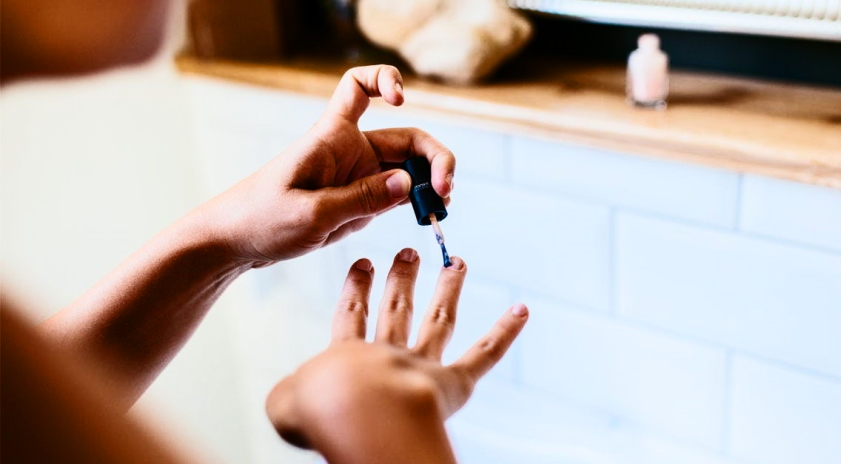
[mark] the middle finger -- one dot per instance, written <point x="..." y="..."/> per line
<point x="395" y="319"/>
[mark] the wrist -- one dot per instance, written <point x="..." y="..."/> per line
<point x="223" y="224"/>
<point x="199" y="236"/>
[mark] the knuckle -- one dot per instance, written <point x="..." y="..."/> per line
<point x="419" y="132"/>
<point x="399" y="305"/>
<point x="311" y="211"/>
<point x="366" y="198"/>
<point x="492" y="347"/>
<point x="354" y="72"/>
<point x="354" y="307"/>
<point x="422" y="392"/>
<point x="441" y="316"/>
<point x="418" y="137"/>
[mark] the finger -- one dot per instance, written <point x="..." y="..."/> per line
<point x="485" y="353"/>
<point x="347" y="229"/>
<point x="359" y="85"/>
<point x="359" y="224"/>
<point x="440" y="317"/>
<point x="397" y="145"/>
<point x="395" y="318"/>
<point x="352" y="310"/>
<point x="363" y="198"/>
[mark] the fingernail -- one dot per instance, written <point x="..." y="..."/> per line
<point x="399" y="88"/>
<point x="407" y="255"/>
<point x="364" y="265"/>
<point x="520" y="310"/>
<point x="458" y="264"/>
<point x="450" y="183"/>
<point x="398" y="184"/>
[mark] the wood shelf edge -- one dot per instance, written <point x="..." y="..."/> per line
<point x="814" y="162"/>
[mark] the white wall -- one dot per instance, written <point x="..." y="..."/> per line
<point x="90" y="168"/>
<point x="679" y="313"/>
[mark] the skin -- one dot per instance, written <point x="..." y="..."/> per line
<point x="331" y="182"/>
<point x="71" y="424"/>
<point x="356" y="402"/>
<point x="41" y="38"/>
<point x="383" y="402"/>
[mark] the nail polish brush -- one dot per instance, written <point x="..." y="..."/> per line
<point x="429" y="207"/>
<point x="439" y="237"/>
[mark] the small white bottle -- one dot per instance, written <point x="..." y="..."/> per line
<point x="648" y="74"/>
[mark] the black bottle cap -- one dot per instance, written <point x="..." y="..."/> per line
<point x="425" y="200"/>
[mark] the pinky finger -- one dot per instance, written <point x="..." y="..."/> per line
<point x="485" y="353"/>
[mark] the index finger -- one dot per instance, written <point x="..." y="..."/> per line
<point x="399" y="144"/>
<point x="349" y="320"/>
<point x="357" y="87"/>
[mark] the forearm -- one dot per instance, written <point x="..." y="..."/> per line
<point x="136" y="319"/>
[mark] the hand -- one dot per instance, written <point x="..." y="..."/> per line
<point x="368" y="397"/>
<point x="332" y="181"/>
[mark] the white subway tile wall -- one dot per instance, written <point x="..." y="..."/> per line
<point x="801" y="213"/>
<point x="780" y="415"/>
<point x="673" y="189"/>
<point x="763" y="297"/>
<point x="654" y="379"/>
<point x="532" y="241"/>
<point x="679" y="313"/>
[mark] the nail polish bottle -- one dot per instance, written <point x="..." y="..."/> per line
<point x="425" y="200"/>
<point x="648" y="74"/>
<point x="429" y="207"/>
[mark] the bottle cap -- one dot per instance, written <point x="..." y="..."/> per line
<point x="425" y="200"/>
<point x="648" y="41"/>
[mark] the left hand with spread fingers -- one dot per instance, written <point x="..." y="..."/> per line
<point x="385" y="402"/>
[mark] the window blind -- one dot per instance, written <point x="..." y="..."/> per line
<point x="813" y="19"/>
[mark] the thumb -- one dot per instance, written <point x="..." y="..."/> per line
<point x="365" y="197"/>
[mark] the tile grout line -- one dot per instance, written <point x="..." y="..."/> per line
<point x="755" y="236"/>
<point x="647" y="327"/>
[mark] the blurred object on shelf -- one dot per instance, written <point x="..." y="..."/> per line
<point x="648" y="74"/>
<point x="237" y="30"/>
<point x="456" y="41"/>
<point x="263" y="30"/>
<point x="341" y="15"/>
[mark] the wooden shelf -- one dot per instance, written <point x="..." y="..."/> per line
<point x="786" y="131"/>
